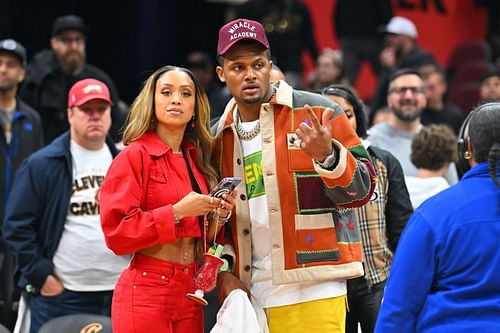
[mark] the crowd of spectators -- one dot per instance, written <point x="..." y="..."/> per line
<point x="418" y="103"/>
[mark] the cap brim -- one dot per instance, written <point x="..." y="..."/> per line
<point x="228" y="46"/>
<point x="91" y="98"/>
<point x="17" y="55"/>
<point x="382" y="30"/>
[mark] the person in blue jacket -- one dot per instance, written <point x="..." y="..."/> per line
<point x="446" y="273"/>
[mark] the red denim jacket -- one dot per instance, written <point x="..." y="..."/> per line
<point x="138" y="192"/>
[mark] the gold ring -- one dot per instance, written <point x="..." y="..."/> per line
<point x="211" y="200"/>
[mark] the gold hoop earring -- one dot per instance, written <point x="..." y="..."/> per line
<point x="467" y="155"/>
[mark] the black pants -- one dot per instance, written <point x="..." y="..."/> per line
<point x="364" y="304"/>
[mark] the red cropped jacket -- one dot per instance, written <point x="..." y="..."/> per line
<point x="138" y="192"/>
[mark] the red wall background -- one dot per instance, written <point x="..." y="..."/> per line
<point x="438" y="32"/>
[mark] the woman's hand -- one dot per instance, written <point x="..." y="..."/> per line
<point x="227" y="204"/>
<point x="195" y="204"/>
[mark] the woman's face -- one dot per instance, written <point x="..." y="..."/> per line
<point x="347" y="107"/>
<point x="174" y="99"/>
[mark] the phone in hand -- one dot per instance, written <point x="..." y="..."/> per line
<point x="226" y="185"/>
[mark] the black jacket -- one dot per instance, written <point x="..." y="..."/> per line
<point x="46" y="89"/>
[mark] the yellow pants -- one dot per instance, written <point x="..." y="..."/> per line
<point x="322" y="316"/>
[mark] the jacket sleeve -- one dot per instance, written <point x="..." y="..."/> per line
<point x="126" y="225"/>
<point x="411" y="278"/>
<point x="22" y="219"/>
<point x="398" y="208"/>
<point x="351" y="183"/>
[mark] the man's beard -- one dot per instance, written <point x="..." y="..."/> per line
<point x="405" y="116"/>
<point x="71" y="62"/>
<point x="7" y="87"/>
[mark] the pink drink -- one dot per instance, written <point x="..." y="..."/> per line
<point x="206" y="277"/>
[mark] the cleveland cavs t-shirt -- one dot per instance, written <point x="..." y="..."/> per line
<point x="82" y="261"/>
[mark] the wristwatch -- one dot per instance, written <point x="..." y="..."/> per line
<point x="228" y="263"/>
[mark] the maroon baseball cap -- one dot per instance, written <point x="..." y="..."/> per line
<point x="238" y="30"/>
<point x="86" y="90"/>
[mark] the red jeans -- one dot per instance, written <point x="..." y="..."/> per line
<point x="150" y="296"/>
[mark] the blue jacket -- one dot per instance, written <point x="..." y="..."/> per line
<point x="37" y="207"/>
<point x="27" y="137"/>
<point x="446" y="273"/>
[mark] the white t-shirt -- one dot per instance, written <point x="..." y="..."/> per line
<point x="82" y="261"/>
<point x="420" y="189"/>
<point x="262" y="288"/>
<point x="398" y="142"/>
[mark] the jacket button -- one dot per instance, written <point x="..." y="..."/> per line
<point x="238" y="161"/>
<point x="246" y="232"/>
<point x="247" y="268"/>
<point x="243" y="197"/>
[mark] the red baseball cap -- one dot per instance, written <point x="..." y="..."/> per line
<point x="238" y="30"/>
<point x="86" y="90"/>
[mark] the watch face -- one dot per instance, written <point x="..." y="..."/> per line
<point x="225" y="266"/>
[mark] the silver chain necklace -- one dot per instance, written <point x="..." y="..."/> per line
<point x="246" y="135"/>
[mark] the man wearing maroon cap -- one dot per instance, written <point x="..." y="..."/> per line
<point x="293" y="240"/>
<point x="52" y="223"/>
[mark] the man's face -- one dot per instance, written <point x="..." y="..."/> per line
<point x="435" y="88"/>
<point x="246" y="71"/>
<point x="406" y="97"/>
<point x="11" y="72"/>
<point x="327" y="71"/>
<point x="69" y="47"/>
<point x="490" y="89"/>
<point x="90" y="122"/>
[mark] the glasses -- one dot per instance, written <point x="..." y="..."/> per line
<point x="71" y="40"/>
<point x="332" y="91"/>
<point x="402" y="90"/>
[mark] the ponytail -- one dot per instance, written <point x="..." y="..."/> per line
<point x="493" y="157"/>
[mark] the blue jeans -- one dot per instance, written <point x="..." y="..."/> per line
<point x="68" y="302"/>
<point x="364" y="304"/>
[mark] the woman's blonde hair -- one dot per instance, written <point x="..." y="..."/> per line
<point x="142" y="119"/>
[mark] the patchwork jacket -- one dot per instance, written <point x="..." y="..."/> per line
<point x="314" y="232"/>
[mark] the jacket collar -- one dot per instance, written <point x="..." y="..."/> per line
<point x="155" y="147"/>
<point x="60" y="147"/>
<point x="480" y="170"/>
<point x="283" y="95"/>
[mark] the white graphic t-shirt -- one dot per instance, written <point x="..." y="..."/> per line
<point x="262" y="288"/>
<point x="82" y="261"/>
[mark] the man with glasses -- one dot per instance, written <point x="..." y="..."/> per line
<point x="406" y="100"/>
<point x="52" y="72"/>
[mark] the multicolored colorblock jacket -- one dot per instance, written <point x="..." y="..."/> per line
<point x="313" y="229"/>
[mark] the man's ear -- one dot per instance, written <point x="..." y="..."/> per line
<point x="21" y="76"/>
<point x="53" y="42"/>
<point x="220" y="73"/>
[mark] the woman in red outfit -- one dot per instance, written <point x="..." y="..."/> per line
<point x="153" y="200"/>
